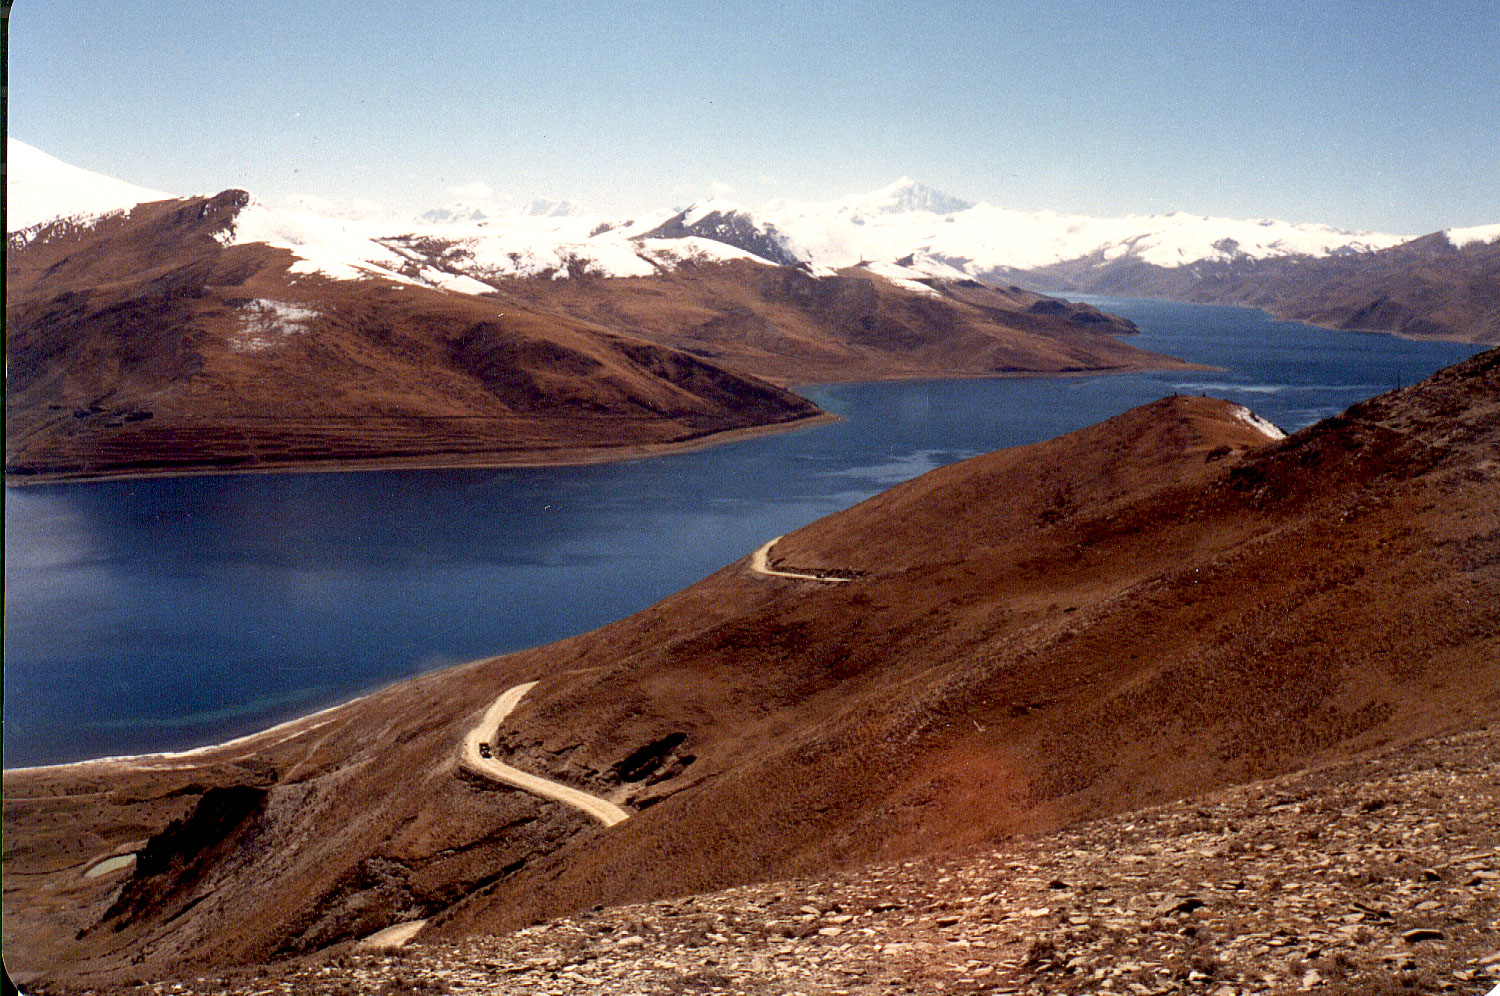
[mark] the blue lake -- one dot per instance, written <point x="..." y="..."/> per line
<point x="162" y="614"/>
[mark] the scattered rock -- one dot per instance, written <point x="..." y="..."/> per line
<point x="1422" y="934"/>
<point x="1179" y="899"/>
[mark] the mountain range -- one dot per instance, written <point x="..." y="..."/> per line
<point x="1142" y="613"/>
<point x="147" y="334"/>
<point x="1443" y="285"/>
<point x="1437" y="285"/>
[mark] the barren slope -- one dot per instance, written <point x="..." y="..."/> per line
<point x="1350" y="880"/>
<point x="142" y="343"/>
<point x="788" y="326"/>
<point x="1146" y="610"/>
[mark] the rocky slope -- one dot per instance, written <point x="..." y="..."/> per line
<point x="1023" y="638"/>
<point x="1375" y="876"/>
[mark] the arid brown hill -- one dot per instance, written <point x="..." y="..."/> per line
<point x="785" y="325"/>
<point x="1145" y="610"/>
<point x="1424" y="289"/>
<point x="142" y="343"/>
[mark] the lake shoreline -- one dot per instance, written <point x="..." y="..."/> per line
<point x="1285" y="314"/>
<point x="563" y="457"/>
<point x="303" y="576"/>
<point x="568" y="456"/>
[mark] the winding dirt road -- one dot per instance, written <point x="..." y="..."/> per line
<point x="471" y="760"/>
<point x="760" y="563"/>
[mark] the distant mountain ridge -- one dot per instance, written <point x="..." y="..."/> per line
<point x="1432" y="287"/>
<point x="906" y="219"/>
<point x="1443" y="285"/>
<point x="464" y="211"/>
<point x="905" y="232"/>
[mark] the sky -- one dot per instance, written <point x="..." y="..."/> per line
<point x="1366" y="115"/>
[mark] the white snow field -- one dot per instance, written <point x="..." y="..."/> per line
<point x="904" y="232"/>
<point x="40" y="188"/>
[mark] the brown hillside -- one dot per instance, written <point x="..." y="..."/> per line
<point x="1146" y="610"/>
<point x="142" y="344"/>
<point x="785" y="325"/>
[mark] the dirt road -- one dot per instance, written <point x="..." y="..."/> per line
<point x="470" y="759"/>
<point x="760" y="563"/>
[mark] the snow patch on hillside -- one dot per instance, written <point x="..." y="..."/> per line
<point x="265" y="323"/>
<point x="1254" y="421"/>
<point x="671" y="252"/>
<point x="340" y="248"/>
<point x="492" y="253"/>
<point x="902" y="276"/>
<point x="457" y="282"/>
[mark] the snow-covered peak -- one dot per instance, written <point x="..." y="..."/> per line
<point x="713" y="205"/>
<point x="457" y="213"/>
<point x="903" y="196"/>
<point x="1461" y="237"/>
<point x="547" y="207"/>
<point x="491" y="209"/>
<point x="40" y="188"/>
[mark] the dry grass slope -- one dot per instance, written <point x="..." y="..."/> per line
<point x="1027" y="637"/>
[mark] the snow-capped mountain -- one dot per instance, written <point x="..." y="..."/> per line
<point x="902" y="197"/>
<point x="455" y="214"/>
<point x="493" y="210"/>
<point x="40" y="188"/>
<point x="904" y="232"/>
<point x="547" y="207"/>
<point x="931" y="234"/>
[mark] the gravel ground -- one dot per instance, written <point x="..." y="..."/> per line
<point x="1375" y="877"/>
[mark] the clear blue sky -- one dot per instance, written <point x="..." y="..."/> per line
<point x="1382" y="115"/>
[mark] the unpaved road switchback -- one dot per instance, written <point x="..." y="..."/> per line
<point x="760" y="563"/>
<point x="470" y="759"/>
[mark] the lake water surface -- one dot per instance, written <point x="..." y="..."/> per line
<point x="162" y="614"/>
